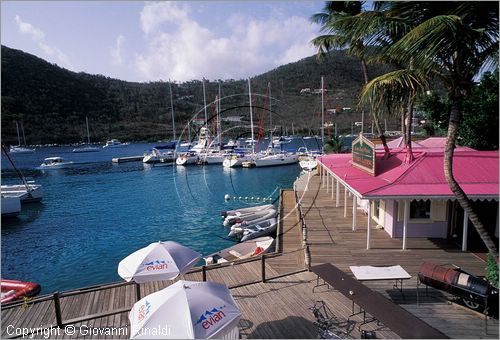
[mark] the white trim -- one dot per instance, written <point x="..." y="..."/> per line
<point x="337" y="185"/>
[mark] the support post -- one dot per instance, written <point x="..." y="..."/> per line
<point x="354" y="210"/>
<point x="337" y="192"/>
<point x="327" y="182"/>
<point x="405" y="222"/>
<point x="263" y="267"/>
<point x="57" y="307"/>
<point x="465" y="231"/>
<point x="345" y="201"/>
<point x="333" y="180"/>
<point x="204" y="273"/>
<point x="369" y="224"/>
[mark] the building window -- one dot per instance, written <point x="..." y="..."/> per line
<point x="420" y="209"/>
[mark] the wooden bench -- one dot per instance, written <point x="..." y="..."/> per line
<point x="396" y="318"/>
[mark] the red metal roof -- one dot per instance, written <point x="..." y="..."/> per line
<point x="475" y="171"/>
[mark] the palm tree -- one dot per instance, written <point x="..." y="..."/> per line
<point x="452" y="41"/>
<point x="334" y="21"/>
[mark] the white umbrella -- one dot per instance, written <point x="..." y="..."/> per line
<point x="185" y="310"/>
<point x="158" y="261"/>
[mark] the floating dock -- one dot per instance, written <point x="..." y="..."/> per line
<point x="127" y="159"/>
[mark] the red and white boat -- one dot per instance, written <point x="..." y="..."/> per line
<point x="13" y="289"/>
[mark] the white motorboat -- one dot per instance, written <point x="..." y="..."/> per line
<point x="161" y="153"/>
<point x="27" y="193"/>
<point x="11" y="206"/>
<point x="230" y="220"/>
<point x="114" y="143"/>
<point x="246" y="210"/>
<point x="55" y="163"/>
<point x="283" y="158"/>
<point x="241" y="251"/>
<point x="237" y="159"/>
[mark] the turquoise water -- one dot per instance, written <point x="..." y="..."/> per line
<point x="96" y="213"/>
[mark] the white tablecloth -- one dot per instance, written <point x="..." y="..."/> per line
<point x="364" y="273"/>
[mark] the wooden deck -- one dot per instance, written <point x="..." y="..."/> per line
<point x="279" y="307"/>
<point x="331" y="240"/>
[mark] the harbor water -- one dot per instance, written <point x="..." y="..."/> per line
<point x="96" y="213"/>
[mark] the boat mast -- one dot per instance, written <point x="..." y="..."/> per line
<point x="205" y="104"/>
<point x="172" y="109"/>
<point x="322" y="111"/>
<point x="18" y="138"/>
<point x="24" y="137"/>
<point x="251" y="115"/>
<point x="88" y="133"/>
<point x="218" y="119"/>
<point x="270" y="110"/>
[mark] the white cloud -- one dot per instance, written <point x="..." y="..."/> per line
<point x="117" y="51"/>
<point x="38" y="36"/>
<point x="180" y="48"/>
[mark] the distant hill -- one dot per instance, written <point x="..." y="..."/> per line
<point x="53" y="102"/>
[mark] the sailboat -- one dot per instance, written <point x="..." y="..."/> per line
<point x="18" y="148"/>
<point x="88" y="147"/>
<point x="307" y="161"/>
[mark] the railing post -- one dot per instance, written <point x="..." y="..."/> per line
<point x="57" y="307"/>
<point x="263" y="267"/>
<point x="204" y="273"/>
<point x="137" y="291"/>
<point x="307" y="258"/>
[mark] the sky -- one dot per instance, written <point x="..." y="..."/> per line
<point x="151" y="41"/>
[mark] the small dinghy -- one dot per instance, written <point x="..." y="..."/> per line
<point x="13" y="289"/>
<point x="252" y="231"/>
<point x="263" y="214"/>
<point x="245" y="210"/>
<point x="255" y="219"/>
<point x="257" y="230"/>
<point x="241" y="251"/>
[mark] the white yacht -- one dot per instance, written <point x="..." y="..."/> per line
<point x="28" y="192"/>
<point x="18" y="148"/>
<point x="282" y="158"/>
<point x="114" y="143"/>
<point x="161" y="153"/>
<point x="55" y="163"/>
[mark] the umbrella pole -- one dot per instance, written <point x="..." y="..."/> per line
<point x="138" y="291"/>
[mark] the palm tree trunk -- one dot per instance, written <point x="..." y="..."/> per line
<point x="409" y="119"/>
<point x="381" y="135"/>
<point x="453" y="127"/>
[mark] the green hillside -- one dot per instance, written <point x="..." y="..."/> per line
<point x="53" y="102"/>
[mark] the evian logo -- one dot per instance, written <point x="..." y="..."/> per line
<point x="155" y="265"/>
<point x="211" y="317"/>
<point x="143" y="311"/>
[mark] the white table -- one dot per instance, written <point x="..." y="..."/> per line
<point x="370" y="273"/>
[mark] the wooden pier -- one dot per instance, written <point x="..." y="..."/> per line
<point x="275" y="292"/>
